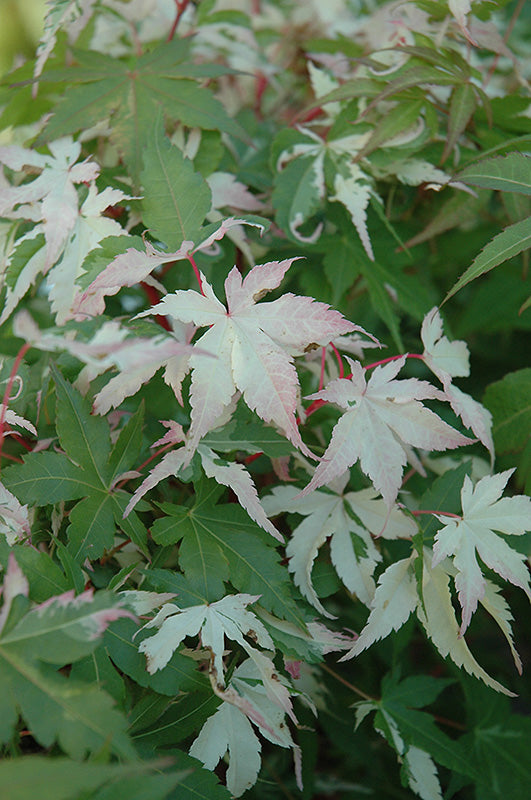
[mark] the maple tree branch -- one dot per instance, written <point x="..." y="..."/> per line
<point x="314" y="406"/>
<point x="154" y="297"/>
<point x="111" y="553"/>
<point x="146" y="462"/>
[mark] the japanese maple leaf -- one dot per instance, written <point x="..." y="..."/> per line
<point x="226" y="473"/>
<point x="14" y="519"/>
<point x="51" y="196"/>
<point x="331" y="515"/>
<point x="254" y="345"/>
<point x="134" y="266"/>
<point x="449" y="360"/>
<point x="81" y="231"/>
<point x="484" y="512"/>
<point x="137" y="358"/>
<point x="227" y="617"/>
<point x="382" y="418"/>
<point x="397" y="597"/>
<point x="229" y="729"/>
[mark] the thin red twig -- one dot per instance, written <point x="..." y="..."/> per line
<point x="154" y="297"/>
<point x="147" y="461"/>
<point x="393" y="358"/>
<point x="339" y="359"/>
<point x="181" y="8"/>
<point x="323" y="361"/>
<point x="196" y="273"/>
<point x="251" y="458"/>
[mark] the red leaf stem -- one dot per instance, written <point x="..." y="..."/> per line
<point x="146" y="462"/>
<point x="393" y="358"/>
<point x="339" y="360"/>
<point x="196" y="273"/>
<point x="323" y="359"/>
<point x="181" y="8"/>
<point x="153" y="296"/>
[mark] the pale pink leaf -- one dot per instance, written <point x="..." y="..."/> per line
<point x="446" y="359"/>
<point x="473" y="415"/>
<point x="438" y="617"/>
<point x="237" y="478"/>
<point x="254" y="346"/>
<point x="383" y="418"/>
<point x="14" y="520"/>
<point x="474" y="535"/>
<point x="394" y="601"/>
<point x="14" y="583"/>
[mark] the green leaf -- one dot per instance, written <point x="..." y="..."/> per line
<point x="45" y="577"/>
<point x="98" y="669"/>
<point x="418" y="728"/>
<point x="509" y="402"/>
<point x="179" y="675"/>
<point x="340" y="265"/>
<point x="462" y="106"/>
<point x="415" y="691"/>
<point x="460" y="209"/>
<point x="298" y="193"/>
<point x="360" y="87"/>
<point x="133" y="528"/>
<point x="78" y="716"/>
<point x="182" y="717"/>
<point x="248" y="433"/>
<point x="28" y="777"/>
<point x="92" y="527"/>
<point x="509" y="173"/>
<point x="46" y="478"/>
<point x="382" y="303"/>
<point x="176" y="198"/>
<point x="396" y="121"/>
<point x="127" y="447"/>
<point x="510" y="242"/>
<point x="132" y="94"/>
<point x="221" y="542"/>
<point x="24" y="252"/>
<point x="415" y="75"/>
<point x="84" y="436"/>
<point x="498" y="746"/>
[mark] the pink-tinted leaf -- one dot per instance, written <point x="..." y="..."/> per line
<point x="484" y="512"/>
<point x="254" y="347"/>
<point x="382" y="418"/>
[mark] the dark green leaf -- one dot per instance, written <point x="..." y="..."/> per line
<point x="46" y="478"/>
<point x="240" y="545"/>
<point x="84" y="437"/>
<point x="176" y="198"/>
<point x="510" y="173"/>
<point x="180" y="674"/>
<point x="126" y="450"/>
<point x="510" y="242"/>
